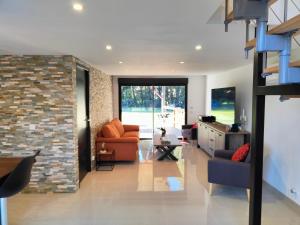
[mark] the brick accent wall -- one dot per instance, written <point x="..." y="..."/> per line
<point x="38" y="111"/>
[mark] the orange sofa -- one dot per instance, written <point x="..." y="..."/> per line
<point x="123" y="139"/>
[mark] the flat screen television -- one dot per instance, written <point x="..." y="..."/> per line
<point x="223" y="105"/>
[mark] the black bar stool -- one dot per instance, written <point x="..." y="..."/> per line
<point x="14" y="182"/>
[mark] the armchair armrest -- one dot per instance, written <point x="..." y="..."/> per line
<point x="117" y="140"/>
<point x="131" y="128"/>
<point x="227" y="172"/>
<point x="224" y="154"/>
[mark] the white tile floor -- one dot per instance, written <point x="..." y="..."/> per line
<point x="149" y="192"/>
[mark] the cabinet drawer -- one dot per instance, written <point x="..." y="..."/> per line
<point x="220" y="141"/>
<point x="212" y="135"/>
<point x="220" y="135"/>
<point x="212" y="145"/>
<point x="211" y="151"/>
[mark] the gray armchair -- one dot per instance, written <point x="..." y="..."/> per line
<point x="222" y="170"/>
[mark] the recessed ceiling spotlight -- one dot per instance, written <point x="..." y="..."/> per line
<point x="181" y="62"/>
<point x="121" y="62"/>
<point x="78" y="7"/>
<point x="108" y="47"/>
<point x="198" y="47"/>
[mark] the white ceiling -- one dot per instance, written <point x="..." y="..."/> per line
<point x="150" y="36"/>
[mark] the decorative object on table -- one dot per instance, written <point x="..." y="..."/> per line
<point x="105" y="159"/>
<point x="235" y="128"/>
<point x="243" y="120"/>
<point x="164" y="141"/>
<point x="164" y="116"/>
<point x="163" y="132"/>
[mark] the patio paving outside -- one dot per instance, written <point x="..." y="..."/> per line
<point x="146" y="120"/>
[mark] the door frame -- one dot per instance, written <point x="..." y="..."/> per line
<point x="153" y="82"/>
<point x="87" y="95"/>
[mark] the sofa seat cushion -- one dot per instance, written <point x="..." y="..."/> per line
<point x="131" y="134"/>
<point x="119" y="126"/>
<point x="109" y="131"/>
<point x="117" y="140"/>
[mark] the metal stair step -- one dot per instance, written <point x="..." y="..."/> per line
<point x="295" y="64"/>
<point x="275" y="69"/>
<point x="252" y="43"/>
<point x="291" y="25"/>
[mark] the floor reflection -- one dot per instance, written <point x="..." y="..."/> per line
<point x="160" y="176"/>
<point x="148" y="192"/>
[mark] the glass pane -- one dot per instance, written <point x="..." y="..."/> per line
<point x="169" y="108"/>
<point x="137" y="108"/>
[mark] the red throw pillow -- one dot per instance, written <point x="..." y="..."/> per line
<point x="241" y="153"/>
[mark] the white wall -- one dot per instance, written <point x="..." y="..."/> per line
<point x="282" y="151"/>
<point x="196" y="97"/>
<point x="241" y="78"/>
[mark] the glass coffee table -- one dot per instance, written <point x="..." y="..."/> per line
<point x="166" y="145"/>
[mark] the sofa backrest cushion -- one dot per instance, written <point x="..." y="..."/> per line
<point x="109" y="131"/>
<point x="119" y="126"/>
<point x="241" y="153"/>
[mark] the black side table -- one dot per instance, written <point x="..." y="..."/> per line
<point x="105" y="160"/>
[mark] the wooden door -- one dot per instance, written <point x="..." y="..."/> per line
<point x="83" y="124"/>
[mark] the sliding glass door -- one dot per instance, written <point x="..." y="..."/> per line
<point x="153" y="106"/>
<point x="169" y="108"/>
<point x="137" y="108"/>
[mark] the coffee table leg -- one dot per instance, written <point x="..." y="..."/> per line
<point x="163" y="155"/>
<point x="172" y="156"/>
<point x="160" y="149"/>
<point x="167" y="152"/>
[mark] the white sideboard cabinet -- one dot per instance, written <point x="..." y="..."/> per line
<point x="214" y="136"/>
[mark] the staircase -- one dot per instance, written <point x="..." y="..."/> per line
<point x="278" y="39"/>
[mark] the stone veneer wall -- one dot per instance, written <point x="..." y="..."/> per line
<point x="101" y="98"/>
<point x="38" y="111"/>
<point x="101" y="109"/>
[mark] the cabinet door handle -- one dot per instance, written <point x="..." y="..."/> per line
<point x="211" y="139"/>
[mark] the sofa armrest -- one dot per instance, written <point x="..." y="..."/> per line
<point x="224" y="154"/>
<point x="117" y="140"/>
<point x="131" y="128"/>
<point x="228" y="172"/>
